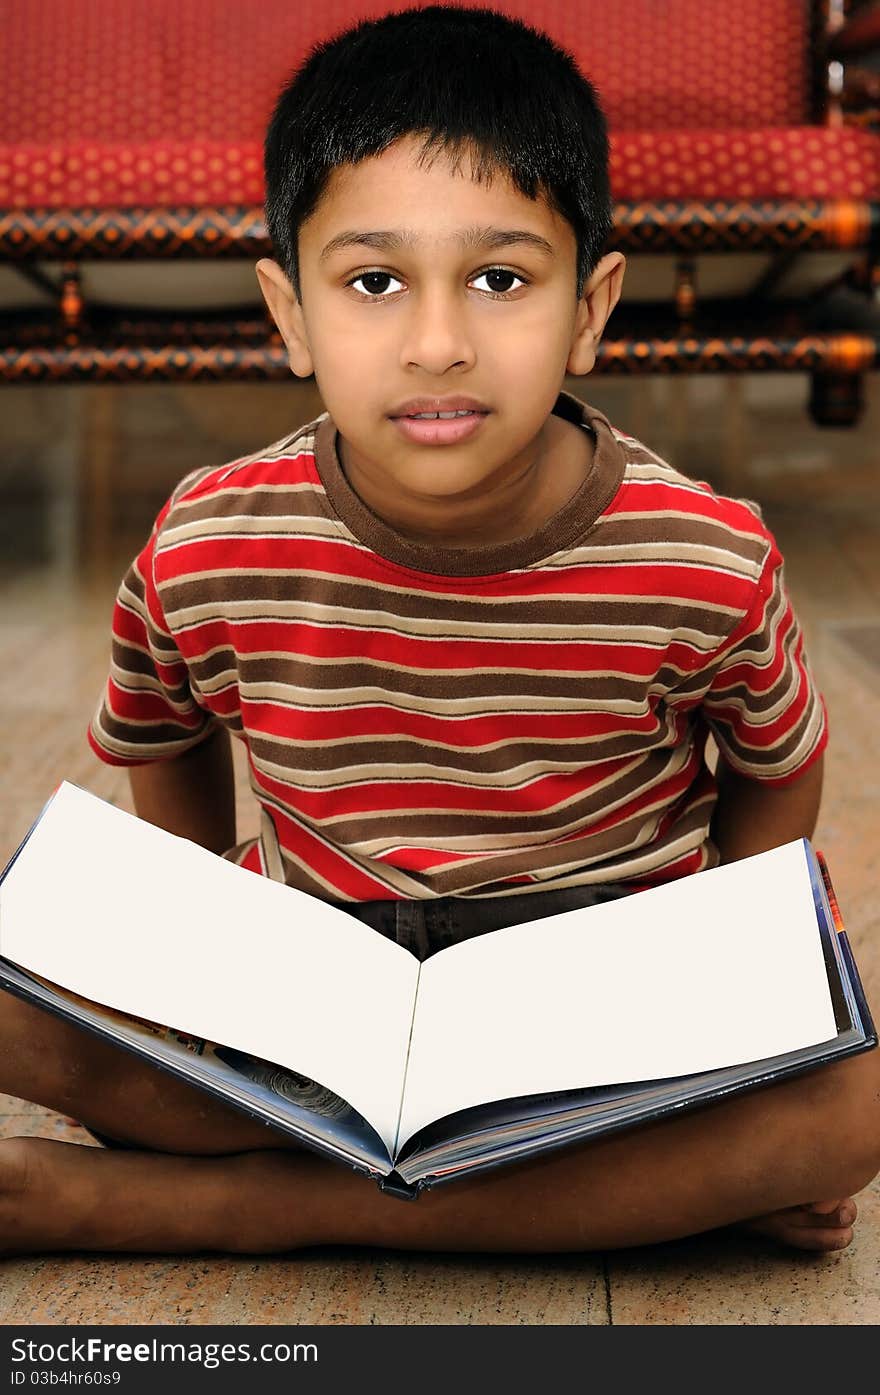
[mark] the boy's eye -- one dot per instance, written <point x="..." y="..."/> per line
<point x="376" y="283"/>
<point x="500" y="273"/>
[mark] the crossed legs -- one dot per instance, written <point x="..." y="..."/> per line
<point x="785" y="1159"/>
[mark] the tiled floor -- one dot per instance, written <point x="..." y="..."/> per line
<point x="119" y="451"/>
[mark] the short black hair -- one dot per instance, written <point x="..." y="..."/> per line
<point x="470" y="81"/>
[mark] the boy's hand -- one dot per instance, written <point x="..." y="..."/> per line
<point x="751" y="817"/>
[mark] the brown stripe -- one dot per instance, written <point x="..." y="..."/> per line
<point x="386" y="755"/>
<point x="417" y="826"/>
<point x="283" y="597"/>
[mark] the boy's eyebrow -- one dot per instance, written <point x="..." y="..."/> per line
<point x="390" y="241"/>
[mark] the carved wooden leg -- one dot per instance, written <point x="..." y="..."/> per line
<point x="836" y="399"/>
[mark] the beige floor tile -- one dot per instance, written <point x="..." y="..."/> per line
<point x="335" y="1287"/>
<point x="32" y="1122"/>
<point x="738" y="1280"/>
<point x="10" y="1106"/>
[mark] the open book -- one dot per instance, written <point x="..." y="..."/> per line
<point x="492" y="1050"/>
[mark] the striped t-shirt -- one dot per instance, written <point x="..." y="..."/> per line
<point x="424" y="722"/>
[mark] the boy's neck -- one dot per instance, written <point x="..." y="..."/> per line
<point x="514" y="509"/>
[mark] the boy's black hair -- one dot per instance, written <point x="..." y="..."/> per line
<point x="470" y="81"/>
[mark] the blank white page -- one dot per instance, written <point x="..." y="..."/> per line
<point x="132" y="917"/>
<point x="715" y="969"/>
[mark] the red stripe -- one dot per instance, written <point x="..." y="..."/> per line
<point x="323" y="725"/>
<point x="375" y="796"/>
<point x="233" y="477"/>
<point x="669" y="496"/>
<point x="300" y="639"/>
<point x="345" y="561"/>
<point x="149" y="707"/>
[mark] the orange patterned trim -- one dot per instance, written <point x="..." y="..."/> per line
<point x="120" y="234"/>
<point x="232" y="353"/>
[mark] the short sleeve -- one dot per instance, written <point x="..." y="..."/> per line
<point x="763" y="706"/>
<point x="148" y="711"/>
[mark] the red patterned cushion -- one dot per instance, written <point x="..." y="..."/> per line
<point x="115" y="174"/>
<point x="158" y="70"/>
<point x="109" y="103"/>
<point x="809" y="162"/>
<point x="805" y="163"/>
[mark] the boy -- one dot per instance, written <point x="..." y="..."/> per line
<point x="473" y="639"/>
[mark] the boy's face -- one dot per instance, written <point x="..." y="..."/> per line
<point x="399" y="303"/>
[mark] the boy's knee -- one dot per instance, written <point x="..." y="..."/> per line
<point x="850" y="1120"/>
<point x="46" y="1060"/>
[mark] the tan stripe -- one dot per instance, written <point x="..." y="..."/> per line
<point x="478" y="704"/>
<point x="250" y="530"/>
<point x="129" y="681"/>
<point x="271" y="848"/>
<point x="278" y="691"/>
<point x="280" y="610"/>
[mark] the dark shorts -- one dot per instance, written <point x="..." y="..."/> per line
<point x="424" y="927"/>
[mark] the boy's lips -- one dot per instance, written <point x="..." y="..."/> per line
<point x="413" y="406"/>
<point x="434" y="431"/>
<point x="420" y="419"/>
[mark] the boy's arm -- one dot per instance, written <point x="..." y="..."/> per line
<point x="751" y="816"/>
<point x="192" y="795"/>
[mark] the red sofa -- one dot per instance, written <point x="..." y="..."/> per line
<point x="745" y="168"/>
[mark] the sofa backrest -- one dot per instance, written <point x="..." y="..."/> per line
<point x="153" y="70"/>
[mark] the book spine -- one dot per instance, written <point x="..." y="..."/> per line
<point x="394" y="1185"/>
<point x="830" y="893"/>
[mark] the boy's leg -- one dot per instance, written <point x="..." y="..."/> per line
<point x="49" y="1062"/>
<point x="787" y="1145"/>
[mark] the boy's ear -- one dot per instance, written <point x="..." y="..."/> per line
<point x="286" y="311"/>
<point x="600" y="295"/>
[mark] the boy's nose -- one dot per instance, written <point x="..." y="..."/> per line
<point x="438" y="335"/>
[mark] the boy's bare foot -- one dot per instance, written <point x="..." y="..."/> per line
<point x="823" y="1225"/>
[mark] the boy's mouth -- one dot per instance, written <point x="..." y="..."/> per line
<point x="436" y="416"/>
<point x="442" y="429"/>
<point x="439" y="421"/>
<point x="438" y="406"/>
